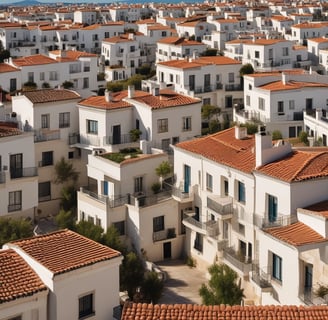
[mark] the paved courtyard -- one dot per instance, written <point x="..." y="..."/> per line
<point x="182" y="282"/>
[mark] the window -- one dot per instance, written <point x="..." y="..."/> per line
<point x="85" y="83"/>
<point x="13" y="84"/>
<point x="70" y="154"/>
<point x="272" y="208"/>
<point x="206" y="101"/>
<point x="45" y="121"/>
<point x="285" y="51"/>
<point x="47" y="158"/>
<point x="41" y="76"/>
<point x="138" y="184"/>
<point x="248" y="100"/>
<point x="44" y="191"/>
<point x="132" y="48"/>
<point x="261" y="103"/>
<point x="198" y="244"/>
<point x="15" y="201"/>
<point x="209" y="182"/>
<point x="280" y="108"/>
<point x="163" y="33"/>
<point x="276" y="267"/>
<point x="186" y="124"/>
<point x="98" y="222"/>
<point x="291" y="104"/>
<point x="257" y="54"/>
<point x="231" y="77"/>
<point x="162" y="125"/>
<point x="53" y="76"/>
<point x="92" y="126"/>
<point x="226" y="187"/>
<point x="64" y="120"/>
<point x="158" y="223"/>
<point x="91" y="219"/>
<point x="241" y="192"/>
<point x="30" y="76"/>
<point x="86" y="306"/>
<point x="120" y="227"/>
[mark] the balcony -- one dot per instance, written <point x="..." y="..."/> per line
<point x="111" y="202"/>
<point x="2" y="177"/>
<point x="121" y="139"/>
<point x="142" y="200"/>
<point x="46" y="135"/>
<point x="165" y="234"/>
<point x="260" y="277"/>
<point x="23" y="172"/>
<point x="179" y="195"/>
<point x="90" y="140"/>
<point x="221" y="205"/>
<point x="308" y="296"/>
<point x="281" y="220"/>
<point x="237" y="261"/>
<point x="233" y="87"/>
<point x="209" y="228"/>
<point x="73" y="138"/>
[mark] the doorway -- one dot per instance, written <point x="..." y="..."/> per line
<point x="167" y="250"/>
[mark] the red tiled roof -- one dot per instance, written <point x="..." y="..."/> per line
<point x="166" y="99"/>
<point x="224" y="148"/>
<point x="63" y="251"/>
<point x="319" y="209"/>
<point x="298" y="166"/>
<point x="4" y="67"/>
<point x="17" y="278"/>
<point x="33" y="60"/>
<point x="296" y="234"/>
<point x="292" y="85"/>
<point x="178" y="41"/>
<point x="222" y="312"/>
<point x="8" y="131"/>
<point x="71" y="55"/>
<point x="115" y="103"/>
<point x="50" y="95"/>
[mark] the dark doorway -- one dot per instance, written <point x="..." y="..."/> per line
<point x="117" y="134"/>
<point x="167" y="250"/>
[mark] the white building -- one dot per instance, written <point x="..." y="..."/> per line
<point x="235" y="189"/>
<point x="82" y="276"/>
<point x="278" y="99"/>
<point x="18" y="173"/>
<point x="52" y="116"/>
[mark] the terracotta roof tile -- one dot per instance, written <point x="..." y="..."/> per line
<point x="133" y="311"/>
<point x="178" y="41"/>
<point x="166" y="99"/>
<point x="4" y="67"/>
<point x="292" y="85"/>
<point x="50" y="95"/>
<point x="296" y="234"/>
<point x="17" y="278"/>
<point x="65" y="250"/>
<point x="33" y="60"/>
<point x="319" y="209"/>
<point x="298" y="166"/>
<point x="224" y="148"/>
<point x="116" y="101"/>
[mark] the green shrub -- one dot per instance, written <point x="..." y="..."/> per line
<point x="156" y="187"/>
<point x="276" y="135"/>
<point x="303" y="137"/>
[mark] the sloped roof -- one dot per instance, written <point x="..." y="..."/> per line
<point x="17" y="278"/>
<point x="296" y="234"/>
<point x="50" y="95"/>
<point x="64" y="250"/>
<point x="291" y="85"/>
<point x="37" y="59"/>
<point x="220" y="312"/>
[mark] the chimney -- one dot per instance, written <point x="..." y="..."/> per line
<point x="131" y="36"/>
<point x="240" y="132"/>
<point x="284" y="78"/>
<point x="108" y="95"/>
<point x="130" y="91"/>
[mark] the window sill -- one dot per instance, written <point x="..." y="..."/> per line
<point x="87" y="316"/>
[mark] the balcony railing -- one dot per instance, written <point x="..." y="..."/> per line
<point x="143" y="200"/>
<point x="281" y="220"/>
<point x="260" y="277"/>
<point x="41" y="136"/>
<point x="164" y="234"/>
<point x="111" y="202"/>
<point x="309" y="297"/>
<point x="2" y="177"/>
<point x="92" y="140"/>
<point x="122" y="139"/>
<point x="240" y="262"/>
<point x="221" y="205"/>
<point x="209" y="228"/>
<point x="23" y="172"/>
<point x="73" y="138"/>
<point x="233" y="87"/>
<point x="181" y="195"/>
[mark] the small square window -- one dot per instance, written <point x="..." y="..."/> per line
<point x="86" y="304"/>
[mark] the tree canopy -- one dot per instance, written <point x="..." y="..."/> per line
<point x="222" y="287"/>
<point x="14" y="229"/>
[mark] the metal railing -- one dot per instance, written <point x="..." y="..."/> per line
<point x="122" y="139"/>
<point x="210" y="227"/>
<point x="233" y="87"/>
<point x="92" y="140"/>
<point x="143" y="200"/>
<point x="168" y="233"/>
<point x="46" y="136"/>
<point x="281" y="220"/>
<point x="260" y="277"/>
<point x="241" y="262"/>
<point x="73" y="138"/>
<point x="23" y="172"/>
<point x="178" y="193"/>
